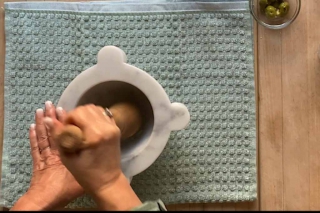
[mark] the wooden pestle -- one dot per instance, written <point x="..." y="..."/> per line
<point x="126" y="116"/>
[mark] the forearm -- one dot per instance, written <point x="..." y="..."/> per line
<point x="118" y="196"/>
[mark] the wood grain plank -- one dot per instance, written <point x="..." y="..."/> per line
<point x="212" y="207"/>
<point x="295" y="114"/>
<point x="171" y="207"/>
<point x="182" y="207"/>
<point x="270" y="119"/>
<point x="254" y="206"/>
<point x="313" y="72"/>
<point x="229" y="206"/>
<point x="196" y="207"/>
<point x="300" y="187"/>
<point x="243" y="206"/>
<point x="247" y="206"/>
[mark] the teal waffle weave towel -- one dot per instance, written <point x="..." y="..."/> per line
<point x="200" y="52"/>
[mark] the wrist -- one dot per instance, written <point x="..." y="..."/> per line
<point x="117" y="196"/>
<point x="31" y="202"/>
<point x="37" y="199"/>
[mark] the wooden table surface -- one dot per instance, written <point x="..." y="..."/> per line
<point x="288" y="115"/>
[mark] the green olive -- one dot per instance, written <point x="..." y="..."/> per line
<point x="271" y="1"/>
<point x="271" y="11"/>
<point x="278" y="13"/>
<point x="284" y="8"/>
<point x="276" y="4"/>
<point x="263" y="3"/>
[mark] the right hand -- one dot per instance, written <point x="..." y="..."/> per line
<point x="98" y="166"/>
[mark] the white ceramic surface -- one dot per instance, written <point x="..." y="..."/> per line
<point x="112" y="66"/>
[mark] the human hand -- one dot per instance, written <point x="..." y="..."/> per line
<point x="52" y="185"/>
<point x="97" y="167"/>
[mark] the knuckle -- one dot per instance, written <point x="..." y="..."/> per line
<point x="96" y="139"/>
<point x="99" y="108"/>
<point x="113" y="133"/>
<point x="42" y="137"/>
<point x="42" y="133"/>
<point x="52" y="160"/>
<point x="90" y="106"/>
<point x="116" y="131"/>
<point x="77" y="110"/>
<point x="107" y="133"/>
<point x="48" y="112"/>
<point x="35" y="149"/>
<point x="73" y="115"/>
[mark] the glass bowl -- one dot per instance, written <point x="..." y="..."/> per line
<point x="275" y="23"/>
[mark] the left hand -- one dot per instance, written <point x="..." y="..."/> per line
<point x="52" y="185"/>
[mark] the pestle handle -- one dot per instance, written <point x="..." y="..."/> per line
<point x="126" y="116"/>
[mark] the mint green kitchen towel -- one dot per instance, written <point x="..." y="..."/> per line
<point x="200" y="52"/>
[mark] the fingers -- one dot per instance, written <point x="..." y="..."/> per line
<point x="91" y="120"/>
<point x="51" y="113"/>
<point x="81" y="116"/>
<point x="77" y="117"/>
<point x="61" y="114"/>
<point x="41" y="133"/>
<point x="54" y="127"/>
<point x="35" y="152"/>
<point x="50" y="110"/>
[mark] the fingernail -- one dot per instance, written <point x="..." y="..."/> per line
<point x="48" y="122"/>
<point x="39" y="111"/>
<point x="59" y="111"/>
<point x="48" y="104"/>
<point x="32" y="126"/>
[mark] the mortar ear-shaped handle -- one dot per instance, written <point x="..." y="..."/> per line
<point x="180" y="116"/>
<point x="110" y="55"/>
